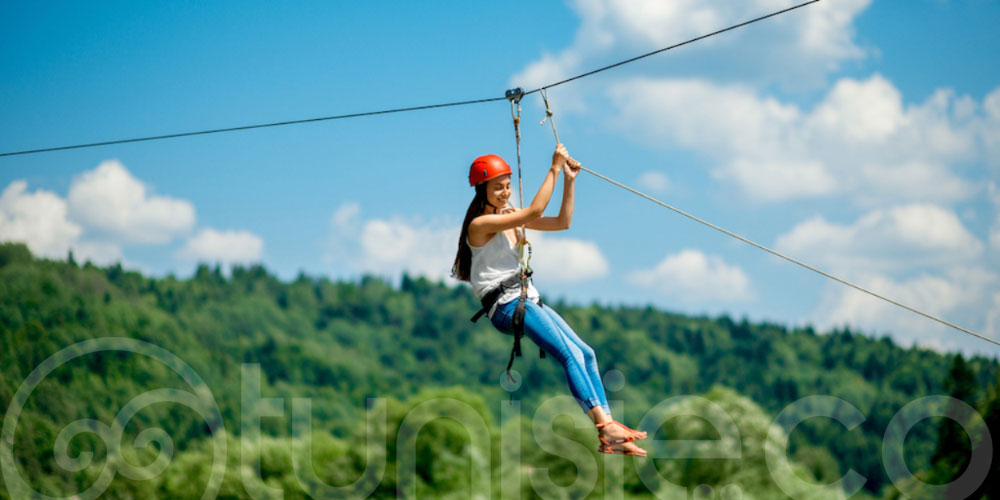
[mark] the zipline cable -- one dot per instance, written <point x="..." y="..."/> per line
<point x="250" y="127"/>
<point x="389" y="111"/>
<point x="548" y="116"/>
<point x="790" y="259"/>
<point x="702" y="37"/>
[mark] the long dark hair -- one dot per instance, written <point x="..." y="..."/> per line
<point x="462" y="267"/>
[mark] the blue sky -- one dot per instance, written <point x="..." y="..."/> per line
<point x="859" y="136"/>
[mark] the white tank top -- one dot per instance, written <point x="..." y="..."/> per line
<point x="492" y="263"/>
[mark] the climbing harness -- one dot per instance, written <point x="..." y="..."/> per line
<point x="491" y="297"/>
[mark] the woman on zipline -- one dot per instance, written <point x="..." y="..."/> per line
<point x="488" y="259"/>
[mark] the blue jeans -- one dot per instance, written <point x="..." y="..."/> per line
<point x="549" y="331"/>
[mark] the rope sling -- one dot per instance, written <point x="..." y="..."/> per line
<point x="525" y="271"/>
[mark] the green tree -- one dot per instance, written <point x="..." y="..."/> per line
<point x="990" y="489"/>
<point x="954" y="446"/>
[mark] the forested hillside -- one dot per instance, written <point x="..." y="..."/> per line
<point x="340" y="343"/>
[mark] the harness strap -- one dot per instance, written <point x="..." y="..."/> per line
<point x="493" y="295"/>
<point x="517" y="321"/>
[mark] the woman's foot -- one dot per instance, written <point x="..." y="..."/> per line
<point x="622" y="449"/>
<point x="616" y="432"/>
<point x="617" y="438"/>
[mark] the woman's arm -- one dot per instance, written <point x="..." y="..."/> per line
<point x="565" y="218"/>
<point x="493" y="223"/>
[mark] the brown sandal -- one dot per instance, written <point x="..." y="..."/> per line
<point x="609" y="449"/>
<point x="633" y="434"/>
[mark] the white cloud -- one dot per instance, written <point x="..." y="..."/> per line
<point x="345" y="218"/>
<point x="389" y="247"/>
<point x="566" y="260"/>
<point x="106" y="208"/>
<point x="991" y="136"/>
<point x="692" y="276"/>
<point x="654" y="181"/>
<point x="959" y="296"/>
<point x="109" y="200"/>
<point x="37" y="219"/>
<point x="931" y="294"/>
<point x="993" y="317"/>
<point x="805" y="44"/>
<point x="894" y="239"/>
<point x="994" y="236"/>
<point x="41" y="220"/>
<point x="225" y="247"/>
<point x="861" y="141"/>
<point x="861" y="111"/>
<point x="919" y="255"/>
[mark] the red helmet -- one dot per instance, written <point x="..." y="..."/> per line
<point x="487" y="167"/>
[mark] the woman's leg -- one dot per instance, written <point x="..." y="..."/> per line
<point x="547" y="334"/>
<point x="544" y="330"/>
<point x="589" y="357"/>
